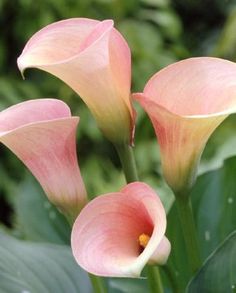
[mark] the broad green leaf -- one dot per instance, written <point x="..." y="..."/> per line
<point x="36" y="218"/>
<point x="39" y="268"/>
<point x="218" y="273"/>
<point x="225" y="150"/>
<point x="214" y="203"/>
<point x="177" y="262"/>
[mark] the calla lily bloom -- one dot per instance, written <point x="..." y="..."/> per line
<point x="41" y="133"/>
<point x="94" y="60"/>
<point x="118" y="233"/>
<point x="186" y="101"/>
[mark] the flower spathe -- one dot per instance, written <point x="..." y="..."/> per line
<point x="41" y="133"/>
<point x="186" y="101"/>
<point x="118" y="233"/>
<point x="94" y="60"/>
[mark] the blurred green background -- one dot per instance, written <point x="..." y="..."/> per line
<point x="158" y="32"/>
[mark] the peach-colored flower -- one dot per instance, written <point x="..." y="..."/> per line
<point x="41" y="133"/>
<point x="94" y="60"/>
<point x="118" y="233"/>
<point x="186" y="101"/>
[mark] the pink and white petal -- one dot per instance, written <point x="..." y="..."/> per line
<point x="195" y="86"/>
<point x="162" y="252"/>
<point x="98" y="69"/>
<point x="186" y="102"/>
<point x="47" y="148"/>
<point x="120" y="63"/>
<point x="105" y="235"/>
<point x="32" y="111"/>
<point x="152" y="205"/>
<point x="40" y="49"/>
<point x="89" y="74"/>
<point x="181" y="139"/>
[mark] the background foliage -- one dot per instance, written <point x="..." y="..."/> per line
<point x="159" y="32"/>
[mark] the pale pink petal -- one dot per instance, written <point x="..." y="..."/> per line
<point x="105" y="235"/>
<point x="42" y="135"/>
<point x="195" y="86"/>
<point x="94" y="60"/>
<point x="186" y="102"/>
<point x="161" y="253"/>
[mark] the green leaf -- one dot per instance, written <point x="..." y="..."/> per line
<point x="39" y="268"/>
<point x="214" y="203"/>
<point x="36" y="218"/>
<point x="225" y="150"/>
<point x="218" y="273"/>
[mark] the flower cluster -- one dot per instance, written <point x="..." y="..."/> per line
<point x="118" y="233"/>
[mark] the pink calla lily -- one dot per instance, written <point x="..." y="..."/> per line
<point x="186" y="101"/>
<point x="118" y="233"/>
<point x="94" y="60"/>
<point x="42" y="135"/>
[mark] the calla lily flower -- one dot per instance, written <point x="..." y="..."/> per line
<point x="186" y="101"/>
<point x="118" y="233"/>
<point x="94" y="60"/>
<point x="41" y="133"/>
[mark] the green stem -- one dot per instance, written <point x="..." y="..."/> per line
<point x="154" y="279"/>
<point x="127" y="159"/>
<point x="170" y="273"/>
<point x="97" y="283"/>
<point x="184" y="207"/>
<point x="126" y="156"/>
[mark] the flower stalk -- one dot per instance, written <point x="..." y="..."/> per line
<point x="154" y="279"/>
<point x="188" y="226"/>
<point x="127" y="159"/>
<point x="98" y="284"/>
